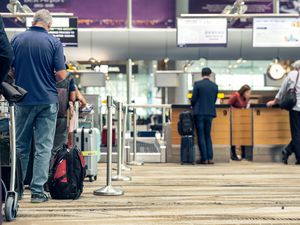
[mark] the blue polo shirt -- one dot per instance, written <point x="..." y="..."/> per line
<point x="37" y="56"/>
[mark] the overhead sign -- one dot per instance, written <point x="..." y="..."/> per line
<point x="276" y="32"/>
<point x="65" y="29"/>
<point x="167" y="78"/>
<point x="192" y="32"/>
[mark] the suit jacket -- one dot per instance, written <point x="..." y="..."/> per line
<point x="204" y="98"/>
<point x="6" y="53"/>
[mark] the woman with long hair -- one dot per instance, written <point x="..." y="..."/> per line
<point x="239" y="100"/>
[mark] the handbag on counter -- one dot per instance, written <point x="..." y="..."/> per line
<point x="289" y="99"/>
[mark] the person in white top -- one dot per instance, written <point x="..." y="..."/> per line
<point x="290" y="82"/>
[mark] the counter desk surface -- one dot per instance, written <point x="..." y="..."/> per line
<point x="257" y="125"/>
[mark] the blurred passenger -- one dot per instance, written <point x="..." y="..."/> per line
<point x="239" y="100"/>
<point x="66" y="95"/>
<point x="37" y="56"/>
<point x="290" y="82"/>
<point x="203" y="102"/>
<point x="6" y="53"/>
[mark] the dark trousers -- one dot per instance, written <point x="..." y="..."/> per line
<point x="203" y="128"/>
<point x="294" y="145"/>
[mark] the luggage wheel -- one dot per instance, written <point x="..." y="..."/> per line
<point x="11" y="208"/>
<point x="91" y="178"/>
<point x="95" y="177"/>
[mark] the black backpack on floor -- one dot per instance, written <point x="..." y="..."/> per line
<point x="185" y="124"/>
<point x="67" y="173"/>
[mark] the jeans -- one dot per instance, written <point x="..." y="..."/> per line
<point x="42" y="120"/>
<point x="4" y="125"/>
<point x="294" y="145"/>
<point x="203" y="128"/>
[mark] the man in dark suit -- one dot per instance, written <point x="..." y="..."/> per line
<point x="203" y="102"/>
<point x="6" y="53"/>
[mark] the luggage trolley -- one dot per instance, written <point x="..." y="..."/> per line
<point x="9" y="191"/>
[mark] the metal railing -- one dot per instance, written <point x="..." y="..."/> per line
<point x="119" y="176"/>
<point x="109" y="190"/>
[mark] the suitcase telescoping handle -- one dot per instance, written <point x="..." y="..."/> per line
<point x="82" y="139"/>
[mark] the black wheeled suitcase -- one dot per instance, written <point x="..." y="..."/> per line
<point x="187" y="149"/>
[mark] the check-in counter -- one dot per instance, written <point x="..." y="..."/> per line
<point x="271" y="133"/>
<point x="242" y="129"/>
<point x="265" y="131"/>
<point x="220" y="134"/>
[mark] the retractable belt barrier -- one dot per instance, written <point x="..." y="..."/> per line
<point x="119" y="176"/>
<point x="134" y="162"/>
<point x="109" y="190"/>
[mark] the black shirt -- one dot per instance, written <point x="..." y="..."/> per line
<point x="6" y="53"/>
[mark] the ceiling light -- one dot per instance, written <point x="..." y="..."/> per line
<point x="240" y="60"/>
<point x="14" y="6"/>
<point x="238" y="7"/>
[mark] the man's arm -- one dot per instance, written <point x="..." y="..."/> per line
<point x="216" y="96"/>
<point x="61" y="75"/>
<point x="283" y="89"/>
<point x="6" y="53"/>
<point x="59" y="63"/>
<point x="195" y="95"/>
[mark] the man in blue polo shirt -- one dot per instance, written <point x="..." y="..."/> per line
<point x="38" y="64"/>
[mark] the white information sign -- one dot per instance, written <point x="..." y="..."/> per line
<point x="201" y="31"/>
<point x="276" y="32"/>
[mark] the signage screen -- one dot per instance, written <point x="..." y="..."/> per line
<point x="193" y="32"/>
<point x="276" y="32"/>
<point x="63" y="28"/>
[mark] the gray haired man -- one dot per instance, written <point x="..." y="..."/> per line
<point x="291" y="81"/>
<point x="39" y="62"/>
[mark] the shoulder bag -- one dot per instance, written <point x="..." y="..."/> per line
<point x="289" y="99"/>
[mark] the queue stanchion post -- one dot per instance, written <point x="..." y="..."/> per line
<point x="109" y="190"/>
<point x="124" y="167"/>
<point x="119" y="176"/>
<point x="134" y="161"/>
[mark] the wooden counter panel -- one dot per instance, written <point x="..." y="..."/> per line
<point x="241" y="134"/>
<point x="220" y="127"/>
<point x="271" y="111"/>
<point x="272" y="141"/>
<point x="242" y="141"/>
<point x="241" y="121"/>
<point x="271" y="127"/>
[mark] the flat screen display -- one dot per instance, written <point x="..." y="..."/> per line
<point x="276" y="32"/>
<point x="63" y="28"/>
<point x="193" y="32"/>
<point x="166" y="79"/>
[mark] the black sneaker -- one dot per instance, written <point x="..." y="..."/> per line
<point x="39" y="198"/>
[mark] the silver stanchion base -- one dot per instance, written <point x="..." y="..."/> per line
<point x="135" y="163"/>
<point x="125" y="168"/>
<point x="121" y="178"/>
<point x="108" y="191"/>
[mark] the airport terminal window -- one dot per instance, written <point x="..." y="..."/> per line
<point x="232" y="74"/>
<point x="143" y="90"/>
